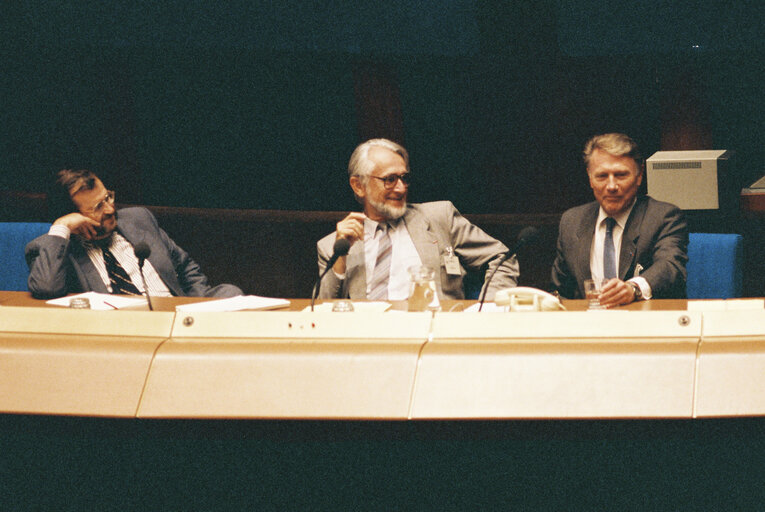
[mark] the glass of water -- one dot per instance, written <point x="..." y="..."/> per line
<point x="422" y="289"/>
<point x="592" y="293"/>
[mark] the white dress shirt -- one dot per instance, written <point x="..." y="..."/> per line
<point x="404" y="255"/>
<point x="124" y="253"/>
<point x="598" y="241"/>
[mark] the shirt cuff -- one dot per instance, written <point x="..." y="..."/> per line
<point x="60" y="230"/>
<point x="645" y="288"/>
<point x="341" y="277"/>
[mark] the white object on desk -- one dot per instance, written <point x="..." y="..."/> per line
<point x="237" y="303"/>
<point x="100" y="301"/>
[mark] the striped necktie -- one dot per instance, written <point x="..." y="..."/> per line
<point x="609" y="254"/>
<point x="118" y="277"/>
<point x="378" y="289"/>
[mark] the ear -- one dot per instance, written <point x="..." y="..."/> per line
<point x="358" y="187"/>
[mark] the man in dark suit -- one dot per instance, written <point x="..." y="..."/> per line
<point x="90" y="247"/>
<point x="637" y="244"/>
<point x="391" y="235"/>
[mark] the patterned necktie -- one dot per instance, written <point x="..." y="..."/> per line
<point x="609" y="255"/>
<point x="119" y="279"/>
<point x="379" y="286"/>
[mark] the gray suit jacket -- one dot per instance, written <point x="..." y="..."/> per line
<point x="655" y="238"/>
<point x="433" y="227"/>
<point x="58" y="266"/>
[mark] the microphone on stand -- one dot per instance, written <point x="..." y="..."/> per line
<point x="341" y="248"/>
<point x="142" y="251"/>
<point x="526" y="235"/>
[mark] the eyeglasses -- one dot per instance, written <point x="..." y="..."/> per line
<point x="98" y="209"/>
<point x="389" y="181"/>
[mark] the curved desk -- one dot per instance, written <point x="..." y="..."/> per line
<point x="647" y="360"/>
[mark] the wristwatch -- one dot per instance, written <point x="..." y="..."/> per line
<point x="636" y="289"/>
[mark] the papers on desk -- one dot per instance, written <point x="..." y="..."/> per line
<point x="366" y="307"/>
<point x="101" y="301"/>
<point x="238" y="303"/>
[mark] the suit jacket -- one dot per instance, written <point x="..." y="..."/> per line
<point x="655" y="239"/>
<point x="58" y="266"/>
<point x="433" y="227"/>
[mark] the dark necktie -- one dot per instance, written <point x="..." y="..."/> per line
<point x="378" y="289"/>
<point x="609" y="254"/>
<point x="118" y="277"/>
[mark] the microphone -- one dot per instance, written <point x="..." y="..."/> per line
<point x="527" y="234"/>
<point x="142" y="251"/>
<point x="341" y="248"/>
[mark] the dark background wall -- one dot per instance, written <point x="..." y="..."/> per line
<point x="259" y="104"/>
<point x="249" y="105"/>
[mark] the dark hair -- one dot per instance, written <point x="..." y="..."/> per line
<point x="67" y="183"/>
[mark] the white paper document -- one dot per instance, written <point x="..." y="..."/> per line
<point x="101" y="301"/>
<point x="235" y="304"/>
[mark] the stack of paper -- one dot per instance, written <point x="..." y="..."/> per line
<point x="101" y="301"/>
<point x="235" y="304"/>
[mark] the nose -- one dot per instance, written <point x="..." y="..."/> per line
<point x="400" y="186"/>
<point x="109" y="209"/>
<point x="611" y="184"/>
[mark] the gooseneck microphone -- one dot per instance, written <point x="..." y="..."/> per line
<point x="341" y="248"/>
<point x="527" y="234"/>
<point x="142" y="251"/>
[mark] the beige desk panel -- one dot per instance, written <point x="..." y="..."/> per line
<point x="297" y="324"/>
<point x="279" y="379"/>
<point x="71" y="374"/>
<point x="292" y="365"/>
<point x="61" y="361"/>
<point x="525" y="367"/>
<point x="568" y="325"/>
<point x="59" y="320"/>
<point x="731" y="368"/>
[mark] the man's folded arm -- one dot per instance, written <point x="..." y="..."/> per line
<point x="46" y="257"/>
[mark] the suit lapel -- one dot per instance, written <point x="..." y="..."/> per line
<point x="157" y="258"/>
<point x="88" y="271"/>
<point x="585" y="233"/>
<point x="424" y="240"/>
<point x="630" y="239"/>
<point x="356" y="271"/>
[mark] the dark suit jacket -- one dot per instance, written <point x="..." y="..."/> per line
<point x="58" y="267"/>
<point x="655" y="237"/>
<point x="433" y="227"/>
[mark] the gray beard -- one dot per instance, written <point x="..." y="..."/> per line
<point x="388" y="211"/>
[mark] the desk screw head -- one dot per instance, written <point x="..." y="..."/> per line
<point x="684" y="320"/>
<point x="188" y="321"/>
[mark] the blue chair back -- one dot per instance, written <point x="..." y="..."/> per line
<point x="715" y="263"/>
<point x="14" y="236"/>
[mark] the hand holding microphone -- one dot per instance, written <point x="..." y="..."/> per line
<point x="341" y="248"/>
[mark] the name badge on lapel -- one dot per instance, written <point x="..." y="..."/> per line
<point x="451" y="262"/>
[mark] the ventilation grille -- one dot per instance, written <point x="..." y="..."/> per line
<point x="676" y="165"/>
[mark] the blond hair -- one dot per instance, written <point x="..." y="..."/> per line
<point x="616" y="144"/>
